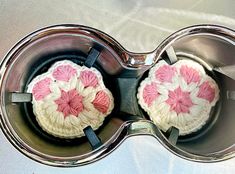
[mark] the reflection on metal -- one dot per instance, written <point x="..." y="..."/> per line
<point x="195" y="58"/>
<point x="228" y="70"/>
<point x="136" y="60"/>
<point x="231" y="95"/>
<point x="150" y="58"/>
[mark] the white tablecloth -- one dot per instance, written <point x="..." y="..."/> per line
<point x="139" y="26"/>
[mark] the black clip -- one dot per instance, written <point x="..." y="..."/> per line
<point x="91" y="58"/>
<point x="93" y="139"/>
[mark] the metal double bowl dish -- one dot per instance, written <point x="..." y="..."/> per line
<point x="211" y="46"/>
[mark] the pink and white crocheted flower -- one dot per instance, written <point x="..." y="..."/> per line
<point x="179" y="95"/>
<point x="69" y="98"/>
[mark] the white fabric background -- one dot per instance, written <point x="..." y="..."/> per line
<point x="139" y="25"/>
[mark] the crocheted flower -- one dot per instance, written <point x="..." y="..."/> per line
<point x="179" y="101"/>
<point x="76" y="98"/>
<point x="70" y="103"/>
<point x="173" y="95"/>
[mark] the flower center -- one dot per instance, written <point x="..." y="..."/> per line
<point x="70" y="103"/>
<point x="179" y="101"/>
